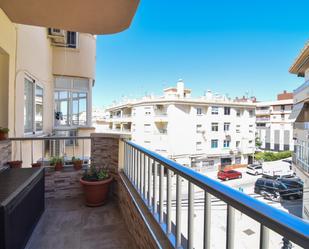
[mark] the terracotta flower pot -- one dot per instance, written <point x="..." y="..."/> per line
<point x="77" y="164"/>
<point x="15" y="164"/>
<point x="58" y="166"/>
<point x="36" y="165"/>
<point x="3" y="136"/>
<point x="96" y="192"/>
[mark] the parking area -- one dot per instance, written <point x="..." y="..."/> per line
<point x="247" y="182"/>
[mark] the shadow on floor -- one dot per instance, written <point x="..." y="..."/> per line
<point x="69" y="224"/>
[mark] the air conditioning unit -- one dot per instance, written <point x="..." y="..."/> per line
<point x="57" y="32"/>
<point x="58" y="36"/>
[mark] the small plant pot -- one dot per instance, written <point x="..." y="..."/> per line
<point x="36" y="165"/>
<point x="3" y="136"/>
<point x="96" y="192"/>
<point x="15" y="164"/>
<point x="78" y="164"/>
<point x="58" y="166"/>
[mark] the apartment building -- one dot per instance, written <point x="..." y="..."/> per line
<point x="207" y="132"/>
<point x="301" y="126"/>
<point x="274" y="127"/>
<point x="49" y="74"/>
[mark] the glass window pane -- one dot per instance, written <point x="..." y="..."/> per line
<point x="61" y="107"/>
<point x="39" y="108"/>
<point x="28" y="106"/>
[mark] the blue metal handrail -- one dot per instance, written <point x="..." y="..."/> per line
<point x="287" y="225"/>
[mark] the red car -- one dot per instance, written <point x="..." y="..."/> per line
<point x="229" y="174"/>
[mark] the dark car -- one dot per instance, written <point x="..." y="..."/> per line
<point x="293" y="182"/>
<point x="274" y="187"/>
<point x="229" y="174"/>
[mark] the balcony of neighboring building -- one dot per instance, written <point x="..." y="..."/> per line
<point x="160" y="113"/>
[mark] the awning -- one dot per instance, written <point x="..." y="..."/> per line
<point x="296" y="110"/>
<point x="93" y="16"/>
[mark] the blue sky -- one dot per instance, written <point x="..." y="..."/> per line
<point x="230" y="47"/>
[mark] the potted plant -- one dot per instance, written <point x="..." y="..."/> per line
<point x="15" y="164"/>
<point x="36" y="165"/>
<point x="77" y="163"/>
<point x="4" y="133"/>
<point x="57" y="162"/>
<point x="96" y="182"/>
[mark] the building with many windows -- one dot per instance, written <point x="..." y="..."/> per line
<point x="273" y="126"/>
<point x="301" y="126"/>
<point x="207" y="132"/>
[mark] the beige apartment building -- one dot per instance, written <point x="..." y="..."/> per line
<point x="274" y="127"/>
<point x="301" y="126"/>
<point x="47" y="76"/>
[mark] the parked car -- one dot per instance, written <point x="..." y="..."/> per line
<point x="293" y="182"/>
<point x="254" y="169"/>
<point x="229" y="174"/>
<point x="267" y="187"/>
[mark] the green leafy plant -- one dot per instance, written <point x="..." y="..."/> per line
<point x="272" y="156"/>
<point x="4" y="130"/>
<point x="95" y="174"/>
<point x="258" y="142"/>
<point x="75" y="159"/>
<point x="55" y="160"/>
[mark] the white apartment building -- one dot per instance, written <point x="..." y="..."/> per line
<point x="206" y="132"/>
<point x="274" y="128"/>
<point x="301" y="126"/>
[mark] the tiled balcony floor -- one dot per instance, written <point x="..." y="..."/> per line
<point x="68" y="224"/>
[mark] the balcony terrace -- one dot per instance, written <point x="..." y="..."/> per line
<point x="154" y="203"/>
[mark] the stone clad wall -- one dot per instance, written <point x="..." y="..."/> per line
<point x="6" y="152"/>
<point x="105" y="150"/>
<point x="62" y="184"/>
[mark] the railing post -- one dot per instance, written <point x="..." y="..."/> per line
<point x="149" y="181"/>
<point x="31" y="151"/>
<point x="178" y="212"/>
<point x="190" y="215"/>
<point x="141" y="173"/>
<point x="169" y="203"/>
<point x="155" y="187"/>
<point x="230" y="227"/>
<point x="264" y="237"/>
<point x="207" y="219"/>
<point x="144" y="182"/>
<point x="161" y="192"/>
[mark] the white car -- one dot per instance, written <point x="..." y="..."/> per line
<point x="254" y="169"/>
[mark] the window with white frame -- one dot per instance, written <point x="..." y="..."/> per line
<point x="198" y="128"/>
<point x="214" y="110"/>
<point x="33" y="106"/>
<point x="71" y="101"/>
<point x="214" y="126"/>
<point x="226" y="144"/>
<point x="227" y="126"/>
<point x="227" y="110"/>
<point x="147" y="128"/>
<point x="214" y="143"/>
<point x="237" y="144"/>
<point x="198" y="111"/>
<point x="199" y="146"/>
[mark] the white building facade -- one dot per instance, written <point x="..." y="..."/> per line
<point x="208" y="132"/>
<point x="273" y="126"/>
<point x="301" y="126"/>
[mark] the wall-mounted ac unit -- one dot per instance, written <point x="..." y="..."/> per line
<point x="58" y="36"/>
<point x="57" y="32"/>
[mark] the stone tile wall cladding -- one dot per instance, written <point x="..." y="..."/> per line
<point x="62" y="184"/>
<point x="6" y="152"/>
<point x="133" y="220"/>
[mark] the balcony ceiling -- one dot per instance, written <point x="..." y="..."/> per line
<point x="93" y="16"/>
